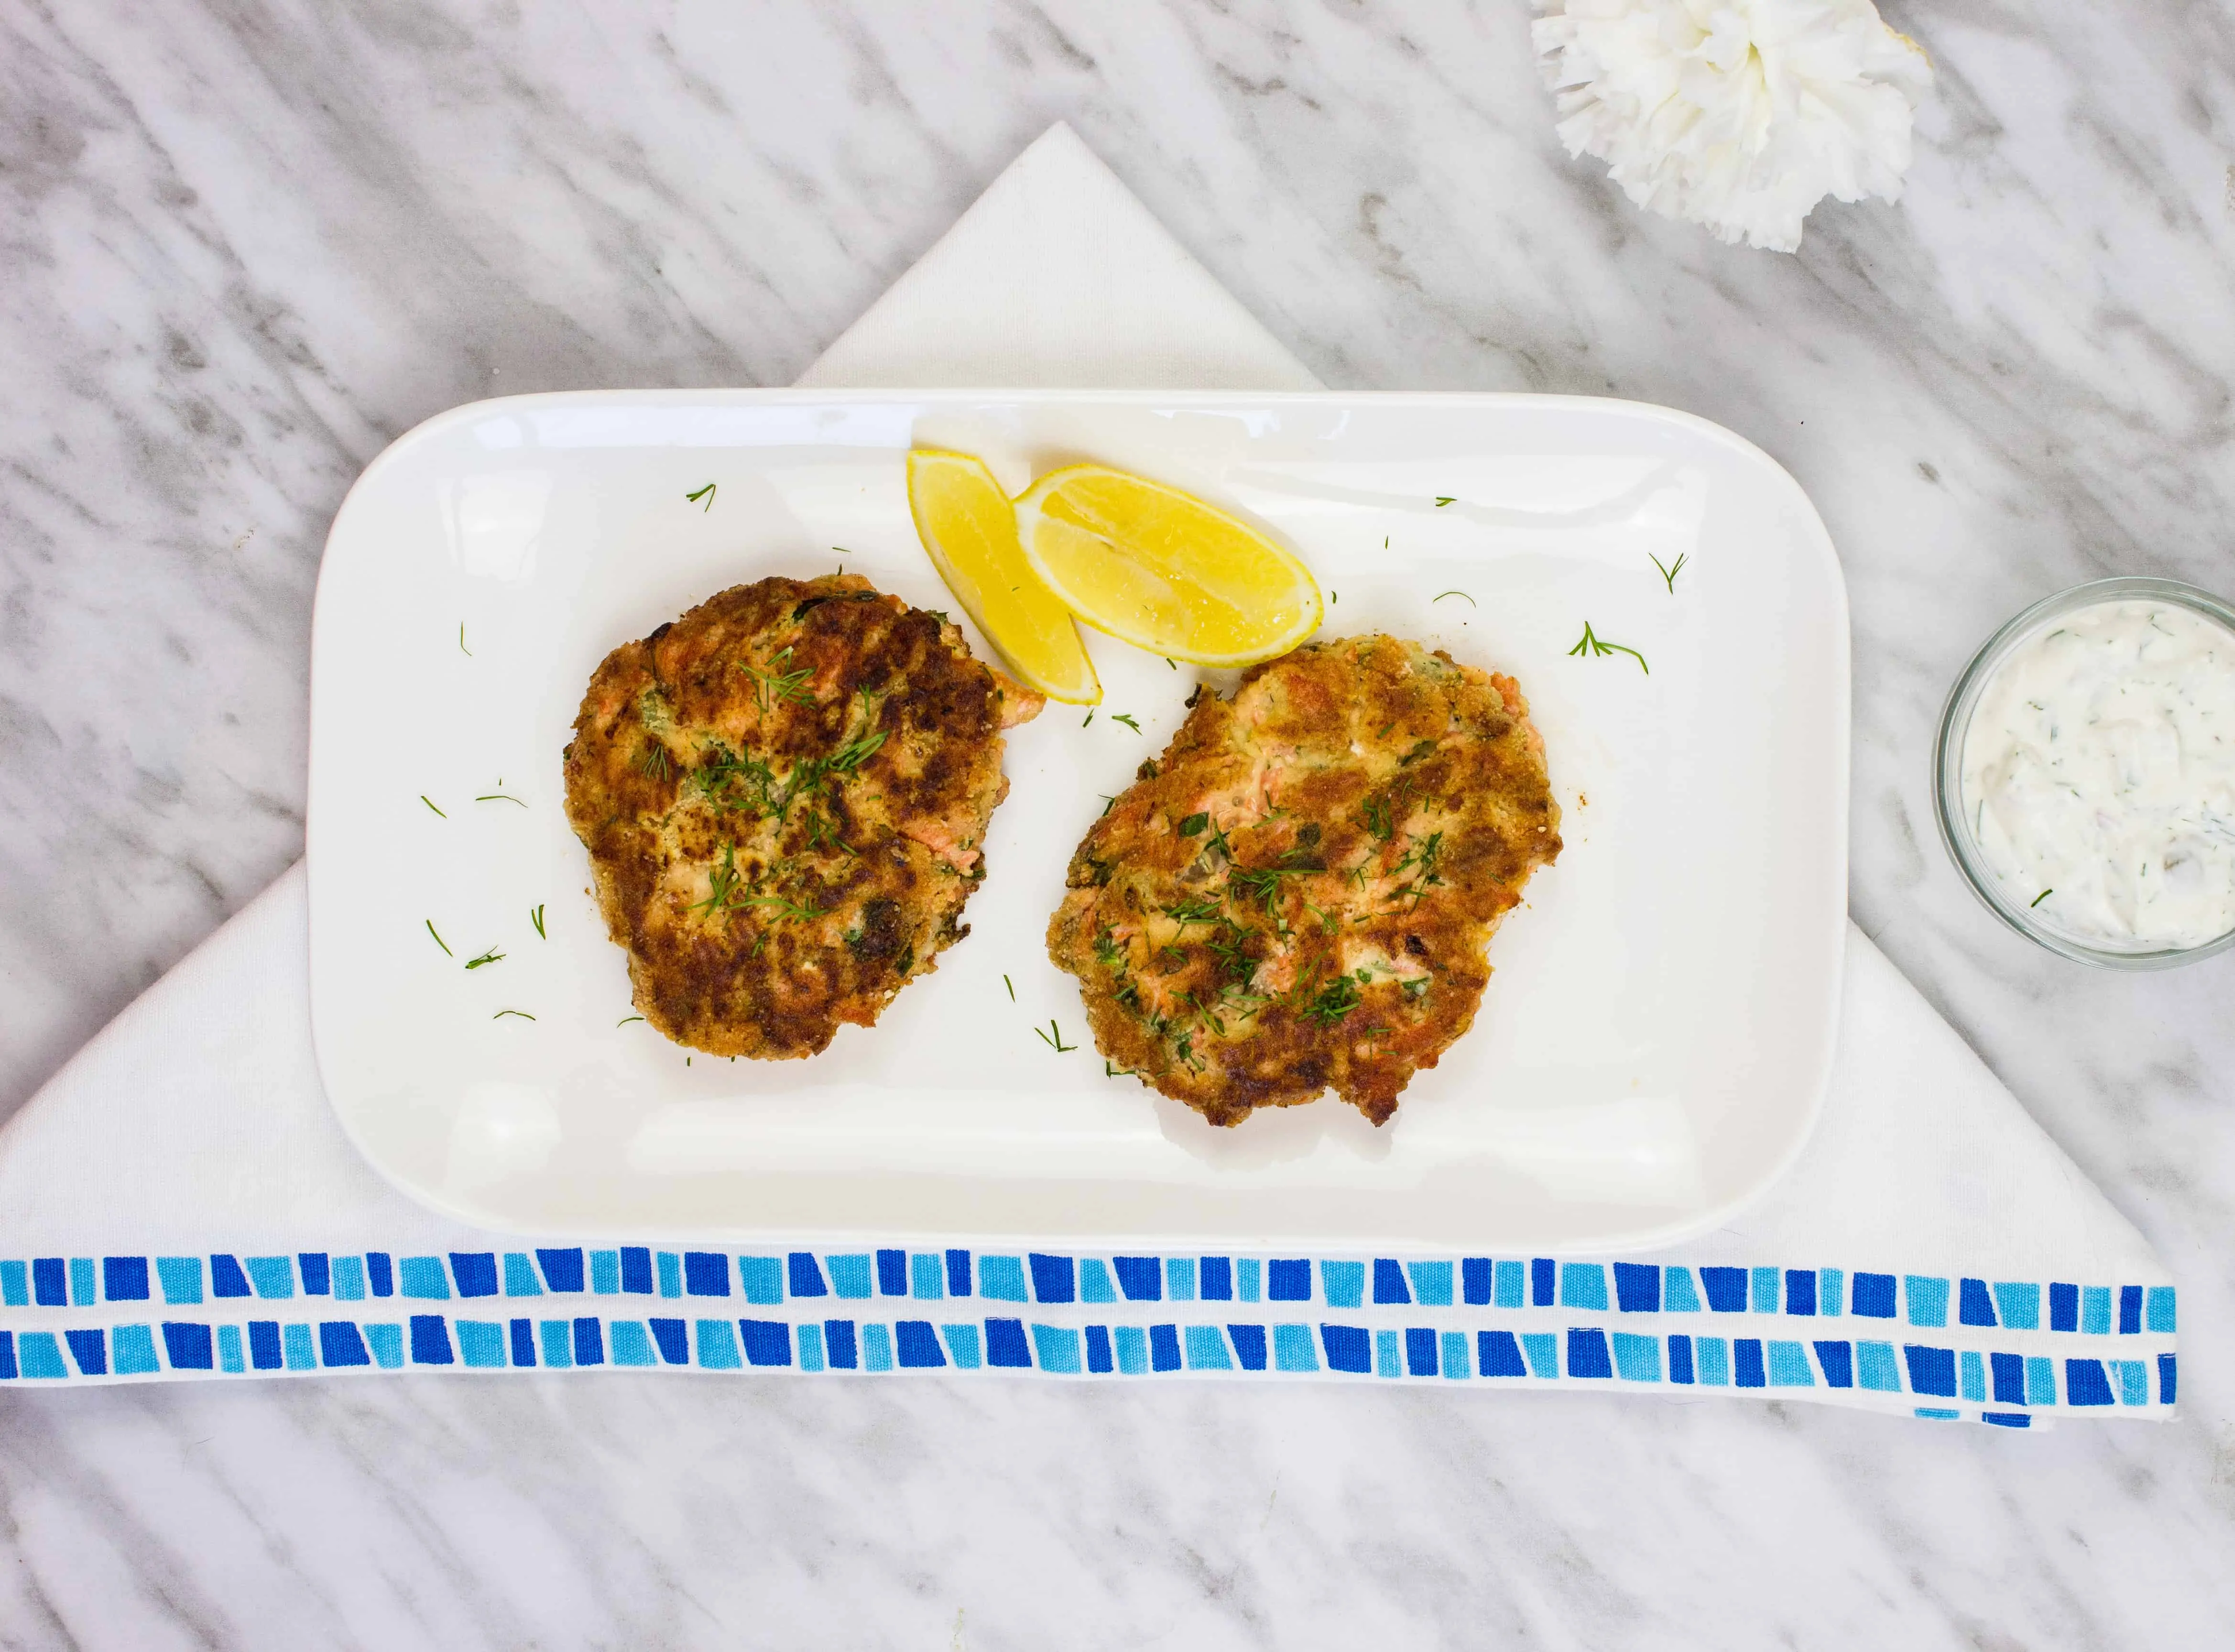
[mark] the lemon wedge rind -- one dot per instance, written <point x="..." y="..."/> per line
<point x="968" y="528"/>
<point x="1159" y="568"/>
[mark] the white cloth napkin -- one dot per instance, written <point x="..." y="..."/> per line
<point x="179" y="1202"/>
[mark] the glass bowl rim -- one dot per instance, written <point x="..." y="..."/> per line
<point x="1955" y="724"/>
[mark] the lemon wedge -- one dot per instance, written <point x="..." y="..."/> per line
<point x="969" y="527"/>
<point x="1162" y="570"/>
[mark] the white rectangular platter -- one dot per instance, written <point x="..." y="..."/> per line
<point x="1654" y="1043"/>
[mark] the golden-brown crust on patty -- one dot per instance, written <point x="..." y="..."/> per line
<point x="785" y="796"/>
<point x="1299" y="893"/>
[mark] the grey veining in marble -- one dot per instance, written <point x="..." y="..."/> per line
<point x="244" y="246"/>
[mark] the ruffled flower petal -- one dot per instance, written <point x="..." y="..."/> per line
<point x="1739" y="114"/>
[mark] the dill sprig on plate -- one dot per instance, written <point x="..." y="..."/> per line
<point x="1597" y="647"/>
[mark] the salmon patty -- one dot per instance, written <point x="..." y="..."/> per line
<point x="1299" y="893"/>
<point x="785" y="796"/>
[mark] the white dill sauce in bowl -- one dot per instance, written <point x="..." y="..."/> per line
<point x="2097" y="774"/>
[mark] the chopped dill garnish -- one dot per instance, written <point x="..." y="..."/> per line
<point x="1380" y="817"/>
<point x="1169" y="662"/>
<point x="1012" y="985"/>
<point x="1422" y="862"/>
<point x="730" y="780"/>
<point x="823" y="833"/>
<point x="705" y="493"/>
<point x="1229" y="947"/>
<point x="439" y="941"/>
<point x="1202" y="908"/>
<point x="788" y="685"/>
<point x="1335" y="1000"/>
<point x="462" y="649"/>
<point x="491" y="956"/>
<point x="1108" y="1072"/>
<point x="499" y="797"/>
<point x="625" y="1019"/>
<point x="722" y="883"/>
<point x="784" y="908"/>
<point x="1441" y="595"/>
<point x="1415" y="989"/>
<point x="1195" y="825"/>
<point x="537" y="918"/>
<point x="1599" y="647"/>
<point x="726" y="892"/>
<point x="1055" y="1043"/>
<point x="1421" y="749"/>
<point x="853" y="753"/>
<point x="1108" y="802"/>
<point x="2038" y="899"/>
<point x="429" y="802"/>
<point x="1088" y="718"/>
<point x="1126" y="719"/>
<point x="652" y="760"/>
<point x="1443" y="500"/>
<point x="1669" y="573"/>
<point x="1262" y="883"/>
<point x="500" y="1015"/>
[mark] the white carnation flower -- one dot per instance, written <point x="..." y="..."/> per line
<point x="1739" y="115"/>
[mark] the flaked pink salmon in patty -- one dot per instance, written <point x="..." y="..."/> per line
<point x="785" y="796"/>
<point x="1298" y="895"/>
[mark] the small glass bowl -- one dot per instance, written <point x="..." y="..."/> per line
<point x="1948" y="763"/>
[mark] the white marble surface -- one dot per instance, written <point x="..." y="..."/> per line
<point x="242" y="246"/>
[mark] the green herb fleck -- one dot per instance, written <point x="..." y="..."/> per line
<point x="462" y="649"/>
<point x="429" y="802"/>
<point x="537" y="918"/>
<point x="499" y="797"/>
<point x="1669" y="573"/>
<point x="1416" y="989"/>
<point x="1126" y="719"/>
<point x="1012" y="985"/>
<point x="1088" y="718"/>
<point x="1194" y="825"/>
<point x="2038" y="899"/>
<point x="1108" y="802"/>
<point x="439" y="941"/>
<point x="1056" y="1042"/>
<point x="1441" y="595"/>
<point x="1108" y="1072"/>
<point x="1598" y="647"/>
<point x="491" y="956"/>
<point x="1169" y="662"/>
<point x="1443" y="500"/>
<point x="1335" y="1000"/>
<point x="1202" y="908"/>
<point x="500" y="1015"/>
<point x="787" y="685"/>
<point x="625" y="1019"/>
<point x="705" y="493"/>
